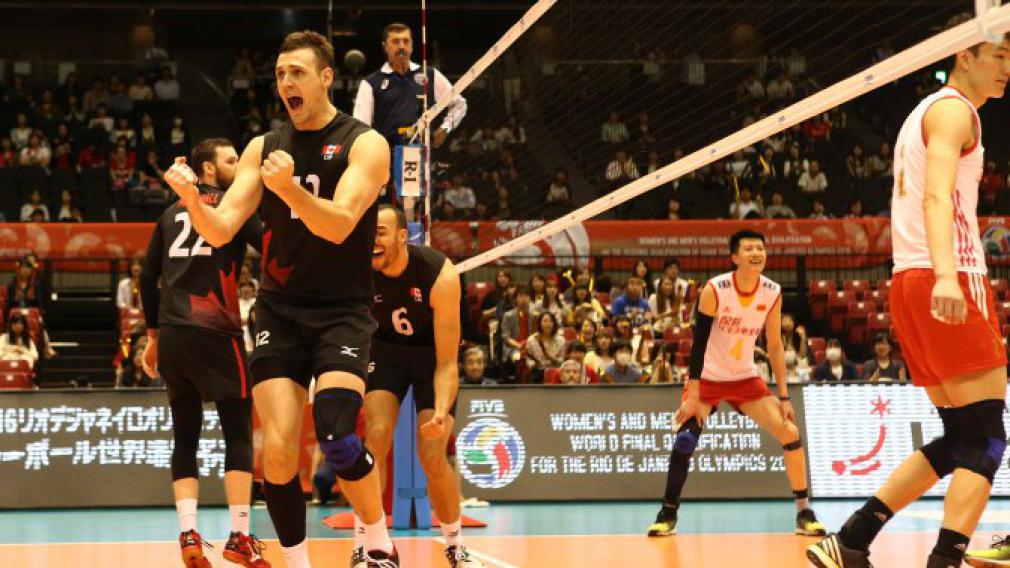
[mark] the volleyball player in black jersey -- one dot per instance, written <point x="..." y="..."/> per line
<point x="195" y="342"/>
<point x="417" y="295"/>
<point x="322" y="174"/>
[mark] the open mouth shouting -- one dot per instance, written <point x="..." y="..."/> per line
<point x="295" y="103"/>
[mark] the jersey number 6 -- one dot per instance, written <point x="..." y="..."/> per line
<point x="401" y="323"/>
<point x="179" y="251"/>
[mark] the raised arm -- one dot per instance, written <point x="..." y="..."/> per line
<point x="218" y="226"/>
<point x="367" y="172"/>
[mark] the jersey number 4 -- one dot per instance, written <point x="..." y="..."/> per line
<point x="179" y="251"/>
<point x="311" y="180"/>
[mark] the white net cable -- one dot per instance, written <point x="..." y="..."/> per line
<point x="996" y="20"/>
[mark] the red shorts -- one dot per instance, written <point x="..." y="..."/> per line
<point x="735" y="393"/>
<point x="936" y="351"/>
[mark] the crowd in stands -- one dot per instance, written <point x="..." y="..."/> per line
<point x="72" y="153"/>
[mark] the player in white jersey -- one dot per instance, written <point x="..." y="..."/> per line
<point x="944" y="318"/>
<point x="733" y="309"/>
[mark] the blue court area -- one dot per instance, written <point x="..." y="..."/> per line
<point x="702" y="517"/>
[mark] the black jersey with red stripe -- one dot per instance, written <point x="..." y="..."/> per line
<point x="298" y="265"/>
<point x="402" y="305"/>
<point x="198" y="283"/>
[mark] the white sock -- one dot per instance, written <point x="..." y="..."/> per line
<point x="377" y="536"/>
<point x="239" y="518"/>
<point x="453" y="532"/>
<point x="359" y="532"/>
<point x="186" y="511"/>
<point x="297" y="556"/>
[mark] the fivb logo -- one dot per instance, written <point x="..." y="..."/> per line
<point x="492" y="451"/>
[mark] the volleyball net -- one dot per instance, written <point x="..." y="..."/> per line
<point x="589" y="110"/>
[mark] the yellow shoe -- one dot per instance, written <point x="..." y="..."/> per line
<point x="808" y="525"/>
<point x="665" y="525"/>
<point x="996" y="556"/>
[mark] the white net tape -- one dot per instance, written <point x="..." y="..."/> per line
<point x="995" y="20"/>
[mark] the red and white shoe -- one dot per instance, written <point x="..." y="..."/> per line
<point x="246" y="550"/>
<point x="192" y="545"/>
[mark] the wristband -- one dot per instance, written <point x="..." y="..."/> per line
<point x="784" y="398"/>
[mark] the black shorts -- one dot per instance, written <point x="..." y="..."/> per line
<point x="396" y="367"/>
<point x="299" y="341"/>
<point x="204" y="364"/>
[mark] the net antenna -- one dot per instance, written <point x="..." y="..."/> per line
<point x="983" y="14"/>
<point x="991" y="20"/>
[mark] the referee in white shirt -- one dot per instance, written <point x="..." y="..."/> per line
<point x="389" y="100"/>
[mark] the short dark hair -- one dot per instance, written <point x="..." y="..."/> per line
<point x="833" y="342"/>
<point x="671" y="262"/>
<point x="621" y="344"/>
<point x="881" y="337"/>
<point x="953" y="22"/>
<point x="576" y="346"/>
<point x="734" y="241"/>
<point x="308" y="39"/>
<point x="206" y="151"/>
<point x="522" y="289"/>
<point x="394" y="27"/>
<point x="401" y="218"/>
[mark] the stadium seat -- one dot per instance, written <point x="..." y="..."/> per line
<point x="838" y="307"/>
<point x="880" y="322"/>
<point x="1000" y="287"/>
<point x="858" y="318"/>
<point x="879" y="296"/>
<point x="859" y="287"/>
<point x="14" y="380"/>
<point x="552" y="376"/>
<point x="816" y="344"/>
<point x="15" y="366"/>
<point x="684" y="352"/>
<point x="1003" y="307"/>
<point x="673" y="335"/>
<point x="817" y="297"/>
<point x="819" y="357"/>
<point x="884" y="284"/>
<point x="1001" y="317"/>
<point x="604" y="299"/>
<point x="1006" y="330"/>
<point x="30" y="313"/>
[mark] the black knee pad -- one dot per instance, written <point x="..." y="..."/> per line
<point x="982" y="442"/>
<point x="687" y="438"/>
<point x="336" y="416"/>
<point x="236" y="425"/>
<point x="187" y="421"/>
<point x="940" y="452"/>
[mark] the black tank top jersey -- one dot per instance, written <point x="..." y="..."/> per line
<point x="199" y="284"/>
<point x="298" y="265"/>
<point x="403" y="305"/>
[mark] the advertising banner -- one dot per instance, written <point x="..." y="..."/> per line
<point x="605" y="443"/>
<point x="97" y="449"/>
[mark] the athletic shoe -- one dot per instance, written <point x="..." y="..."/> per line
<point x="830" y="553"/>
<point x="666" y="523"/>
<point x="358" y="559"/>
<point x="459" y="557"/>
<point x="192" y="545"/>
<point x="379" y="559"/>
<point x="995" y="556"/>
<point x="808" y="525"/>
<point x="246" y="550"/>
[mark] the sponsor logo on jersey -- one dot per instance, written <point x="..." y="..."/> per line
<point x="330" y="150"/>
<point x="416" y="293"/>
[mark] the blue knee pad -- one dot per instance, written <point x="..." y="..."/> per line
<point x="982" y="440"/>
<point x="336" y="415"/>
<point x="687" y="438"/>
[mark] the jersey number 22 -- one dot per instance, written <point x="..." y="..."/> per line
<point x="179" y="251"/>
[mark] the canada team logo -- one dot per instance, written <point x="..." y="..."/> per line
<point x="492" y="452"/>
<point x="867" y="463"/>
<point x="416" y="293"/>
<point x="996" y="241"/>
<point x="331" y="150"/>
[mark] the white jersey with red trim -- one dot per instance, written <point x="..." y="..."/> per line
<point x="908" y="222"/>
<point x="740" y="317"/>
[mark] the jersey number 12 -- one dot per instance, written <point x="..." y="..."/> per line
<point x="179" y="251"/>
<point x="311" y="180"/>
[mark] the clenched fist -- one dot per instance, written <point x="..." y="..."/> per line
<point x="181" y="178"/>
<point x="278" y="172"/>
